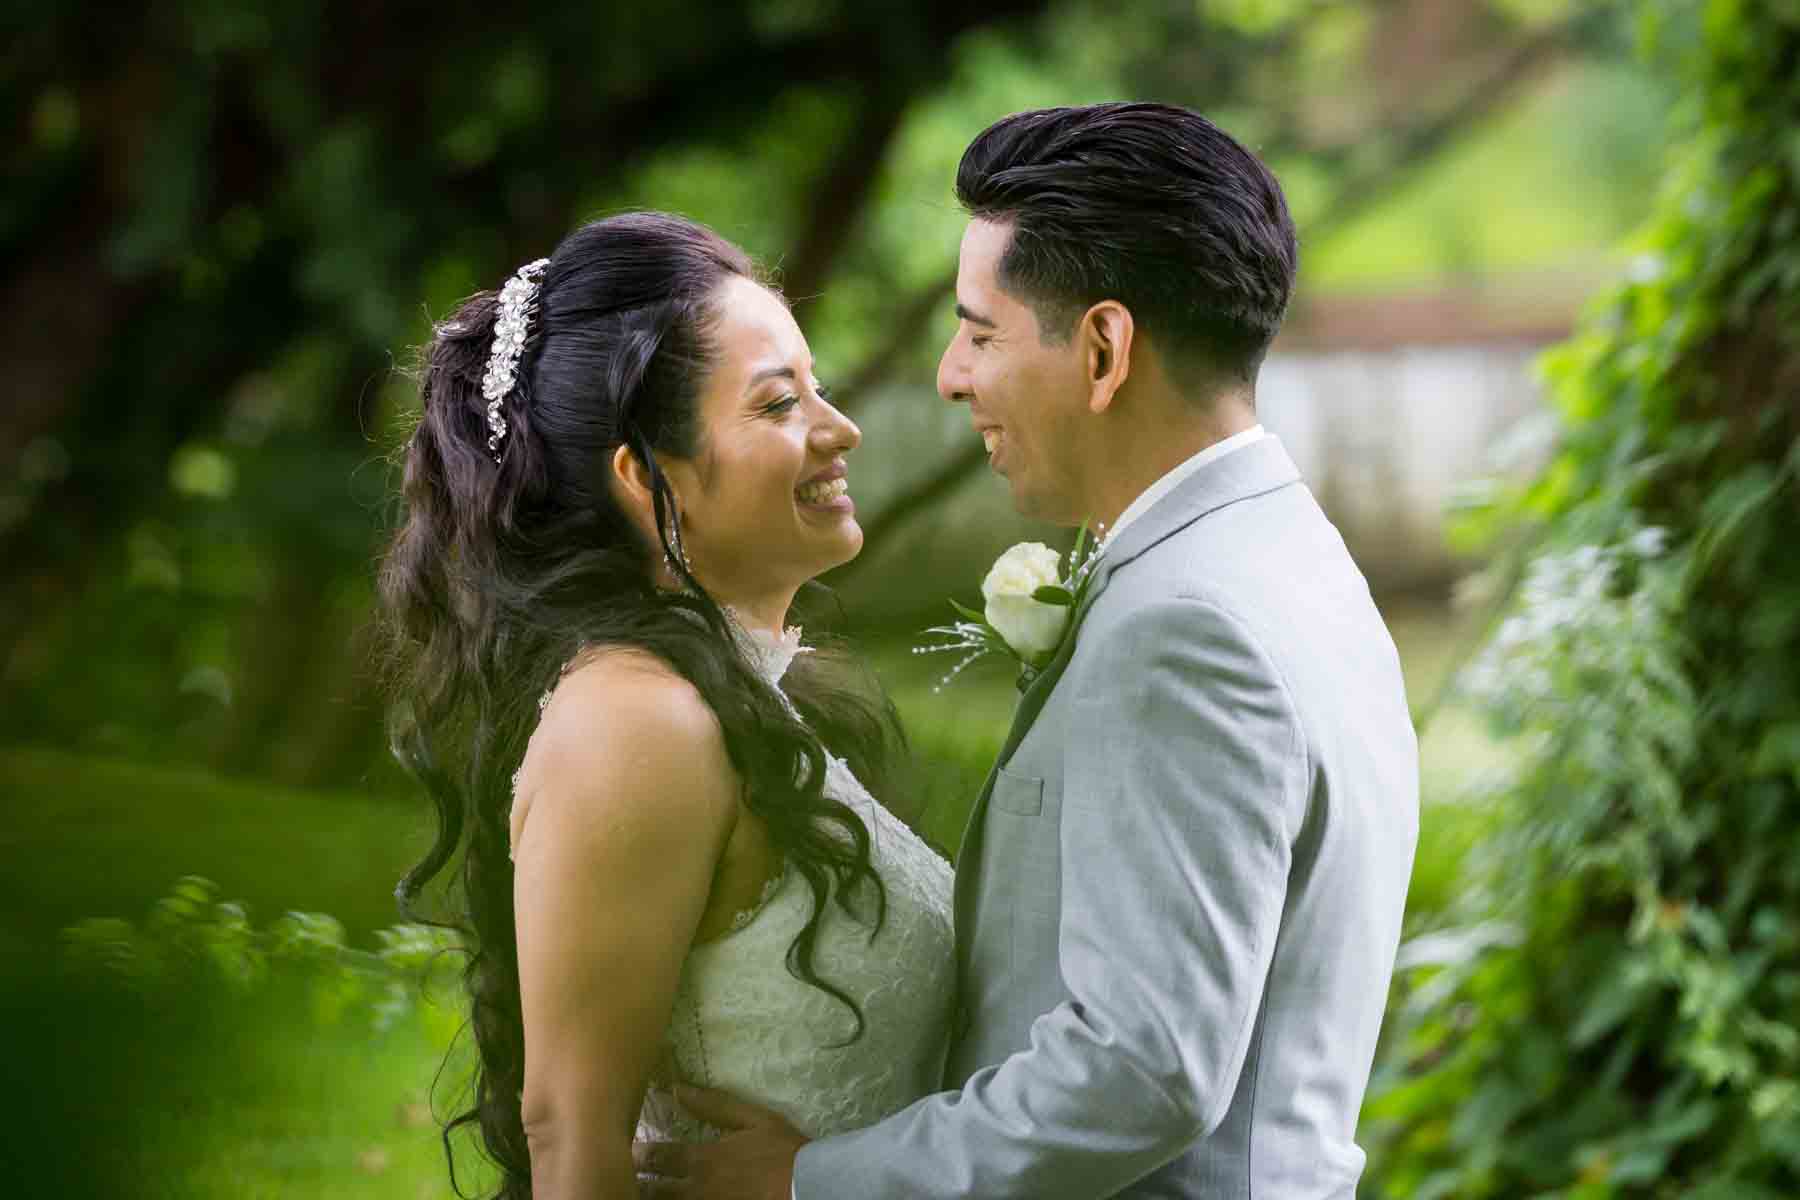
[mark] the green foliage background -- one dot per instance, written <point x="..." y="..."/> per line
<point x="1617" y="1012"/>
<point x="229" y="223"/>
<point x="233" y="223"/>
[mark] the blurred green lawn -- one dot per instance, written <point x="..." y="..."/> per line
<point x="81" y="837"/>
<point x="289" y="1106"/>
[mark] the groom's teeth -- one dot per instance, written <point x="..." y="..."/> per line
<point x="990" y="438"/>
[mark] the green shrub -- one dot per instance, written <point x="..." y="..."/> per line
<point x="1616" y="1010"/>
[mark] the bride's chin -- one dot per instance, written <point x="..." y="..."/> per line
<point x="850" y="545"/>
<point x="853" y="539"/>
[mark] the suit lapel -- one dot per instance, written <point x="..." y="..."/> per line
<point x="1256" y="469"/>
<point x="1030" y="705"/>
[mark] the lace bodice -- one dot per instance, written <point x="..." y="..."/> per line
<point x="741" y="1022"/>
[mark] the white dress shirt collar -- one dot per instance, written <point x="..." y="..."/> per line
<point x="1174" y="478"/>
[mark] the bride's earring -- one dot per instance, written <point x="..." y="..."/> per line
<point x="680" y="552"/>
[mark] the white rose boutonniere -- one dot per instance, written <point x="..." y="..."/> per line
<point x="1030" y="594"/>
<point x="1032" y="627"/>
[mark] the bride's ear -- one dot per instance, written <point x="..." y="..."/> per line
<point x="636" y="494"/>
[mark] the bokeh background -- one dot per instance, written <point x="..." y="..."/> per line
<point x="229" y="226"/>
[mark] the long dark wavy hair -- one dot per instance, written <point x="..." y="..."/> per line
<point x="500" y="574"/>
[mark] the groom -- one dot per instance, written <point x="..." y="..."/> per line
<point x="1179" y="896"/>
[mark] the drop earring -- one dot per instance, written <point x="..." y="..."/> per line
<point x="669" y="560"/>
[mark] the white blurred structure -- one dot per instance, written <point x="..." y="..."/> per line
<point x="1391" y="403"/>
<point x="1386" y="436"/>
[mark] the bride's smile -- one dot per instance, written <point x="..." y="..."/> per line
<point x="765" y="502"/>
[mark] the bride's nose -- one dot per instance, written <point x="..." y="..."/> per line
<point x="836" y="433"/>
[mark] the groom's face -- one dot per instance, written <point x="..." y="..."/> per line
<point x="1026" y="397"/>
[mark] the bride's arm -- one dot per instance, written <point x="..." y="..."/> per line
<point x="631" y="801"/>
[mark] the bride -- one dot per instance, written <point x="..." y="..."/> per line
<point x="623" y="473"/>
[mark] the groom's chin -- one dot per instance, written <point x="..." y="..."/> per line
<point x="1035" y="506"/>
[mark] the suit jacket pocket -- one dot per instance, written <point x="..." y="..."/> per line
<point x="1020" y="795"/>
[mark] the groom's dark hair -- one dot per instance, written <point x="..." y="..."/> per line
<point x="1150" y="205"/>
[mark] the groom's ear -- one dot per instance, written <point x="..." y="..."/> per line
<point x="1105" y="333"/>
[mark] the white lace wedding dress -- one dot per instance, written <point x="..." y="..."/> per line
<point x="744" y="1024"/>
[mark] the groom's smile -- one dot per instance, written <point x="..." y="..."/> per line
<point x="1024" y="391"/>
<point x="992" y="437"/>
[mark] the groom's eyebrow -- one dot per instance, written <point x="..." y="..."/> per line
<point x="965" y="313"/>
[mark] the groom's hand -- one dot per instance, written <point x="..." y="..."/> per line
<point x="754" y="1160"/>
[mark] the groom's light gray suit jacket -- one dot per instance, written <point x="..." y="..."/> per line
<point x="1179" y="896"/>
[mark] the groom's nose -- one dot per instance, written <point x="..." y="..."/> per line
<point x="952" y="377"/>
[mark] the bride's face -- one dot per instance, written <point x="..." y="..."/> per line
<point x="764" y="503"/>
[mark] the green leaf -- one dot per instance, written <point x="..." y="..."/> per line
<point x="968" y="614"/>
<point x="1051" y="594"/>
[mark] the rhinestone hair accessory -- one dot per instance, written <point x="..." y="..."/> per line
<point x="518" y="300"/>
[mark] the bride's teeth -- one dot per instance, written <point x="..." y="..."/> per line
<point x="820" y="493"/>
<point x="990" y="438"/>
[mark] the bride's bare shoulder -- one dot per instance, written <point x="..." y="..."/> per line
<point x="623" y="724"/>
<point x="599" y="671"/>
<point x="612" y="697"/>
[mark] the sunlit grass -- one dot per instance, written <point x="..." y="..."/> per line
<point x="184" y="1088"/>
<point x="295" y="1108"/>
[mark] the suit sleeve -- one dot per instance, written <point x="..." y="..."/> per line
<point x="1184" y="786"/>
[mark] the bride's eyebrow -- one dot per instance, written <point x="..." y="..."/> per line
<point x="768" y="373"/>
